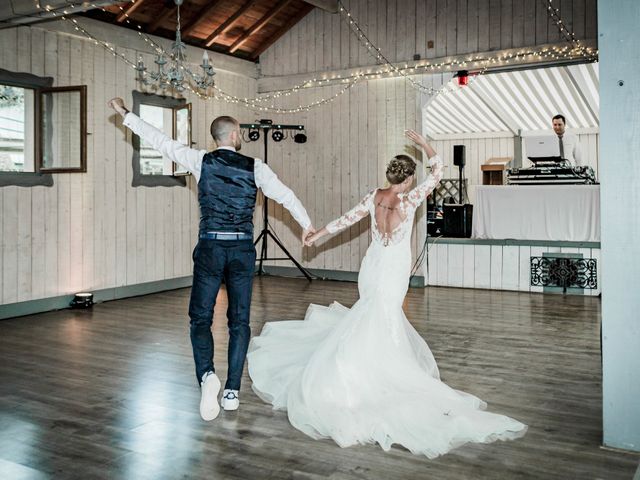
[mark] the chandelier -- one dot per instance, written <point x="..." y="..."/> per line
<point x="172" y="72"/>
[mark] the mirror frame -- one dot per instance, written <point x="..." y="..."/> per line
<point x="139" y="179"/>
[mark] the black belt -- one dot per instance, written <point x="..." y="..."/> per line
<point x="226" y="236"/>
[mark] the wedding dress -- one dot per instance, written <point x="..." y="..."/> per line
<point x="363" y="374"/>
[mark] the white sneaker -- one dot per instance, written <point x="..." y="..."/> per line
<point x="230" y="399"/>
<point x="209" y="408"/>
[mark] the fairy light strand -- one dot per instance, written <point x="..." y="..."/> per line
<point x="569" y="36"/>
<point x="484" y="63"/>
<point x="377" y="54"/>
<point x="229" y="98"/>
<point x="388" y="70"/>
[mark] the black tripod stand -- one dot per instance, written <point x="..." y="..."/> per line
<point x="254" y="135"/>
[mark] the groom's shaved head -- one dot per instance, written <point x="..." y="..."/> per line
<point x="222" y="126"/>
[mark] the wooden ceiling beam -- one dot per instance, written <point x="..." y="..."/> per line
<point x="330" y="6"/>
<point x="132" y="7"/>
<point x="259" y="25"/>
<point x="168" y="13"/>
<point x="281" y="31"/>
<point x="226" y="25"/>
<point x="199" y="16"/>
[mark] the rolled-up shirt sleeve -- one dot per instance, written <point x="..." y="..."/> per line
<point x="272" y="187"/>
<point x="188" y="158"/>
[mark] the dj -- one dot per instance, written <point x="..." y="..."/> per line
<point x="569" y="146"/>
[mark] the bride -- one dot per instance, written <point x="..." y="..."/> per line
<point x="363" y="374"/>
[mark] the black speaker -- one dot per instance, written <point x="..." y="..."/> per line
<point x="457" y="220"/>
<point x="458" y="155"/>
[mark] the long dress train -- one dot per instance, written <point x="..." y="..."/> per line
<point x="363" y="374"/>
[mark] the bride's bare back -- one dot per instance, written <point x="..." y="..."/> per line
<point x="392" y="209"/>
<point x="389" y="214"/>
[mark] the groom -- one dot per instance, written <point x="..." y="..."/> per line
<point x="227" y="187"/>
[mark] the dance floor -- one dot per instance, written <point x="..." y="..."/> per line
<point x="110" y="393"/>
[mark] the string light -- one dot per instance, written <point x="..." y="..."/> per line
<point x="554" y="13"/>
<point x="389" y="68"/>
<point x="481" y="64"/>
<point x="350" y="80"/>
<point x="231" y="98"/>
<point x="377" y="54"/>
<point x="253" y="103"/>
<point x="65" y="9"/>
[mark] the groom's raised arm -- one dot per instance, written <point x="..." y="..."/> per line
<point x="188" y="158"/>
<point x="272" y="187"/>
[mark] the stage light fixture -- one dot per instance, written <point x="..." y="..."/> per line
<point x="279" y="132"/>
<point x="82" y="300"/>
<point x="254" y="134"/>
<point x="277" y="135"/>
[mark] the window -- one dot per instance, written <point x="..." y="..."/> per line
<point x="173" y="117"/>
<point x="182" y="132"/>
<point x="17" y="130"/>
<point x="151" y="162"/>
<point x="42" y="129"/>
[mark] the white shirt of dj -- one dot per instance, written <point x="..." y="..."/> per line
<point x="571" y="148"/>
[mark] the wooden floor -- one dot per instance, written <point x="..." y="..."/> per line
<point x="110" y="393"/>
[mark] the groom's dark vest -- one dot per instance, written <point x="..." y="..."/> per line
<point x="227" y="192"/>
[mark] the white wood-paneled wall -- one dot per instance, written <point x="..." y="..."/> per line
<point x="402" y="28"/>
<point x="92" y="231"/>
<point x="350" y="141"/>
<point x="478" y="150"/>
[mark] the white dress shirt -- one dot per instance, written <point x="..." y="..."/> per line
<point x="191" y="160"/>
<point x="571" y="148"/>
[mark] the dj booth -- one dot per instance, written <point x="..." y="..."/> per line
<point x="540" y="233"/>
<point x="552" y="200"/>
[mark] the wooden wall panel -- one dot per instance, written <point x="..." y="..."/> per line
<point x="403" y="28"/>
<point x="94" y="230"/>
<point x="373" y="115"/>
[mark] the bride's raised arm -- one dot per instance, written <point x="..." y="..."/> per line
<point x="422" y="191"/>
<point x="353" y="216"/>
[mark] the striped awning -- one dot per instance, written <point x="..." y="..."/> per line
<point x="522" y="100"/>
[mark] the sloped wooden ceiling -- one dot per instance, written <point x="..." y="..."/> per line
<point x="242" y="28"/>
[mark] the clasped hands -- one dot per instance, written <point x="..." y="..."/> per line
<point x="309" y="235"/>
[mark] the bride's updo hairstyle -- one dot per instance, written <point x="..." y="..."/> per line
<point x="400" y="168"/>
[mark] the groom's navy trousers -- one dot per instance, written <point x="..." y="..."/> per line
<point x="214" y="261"/>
